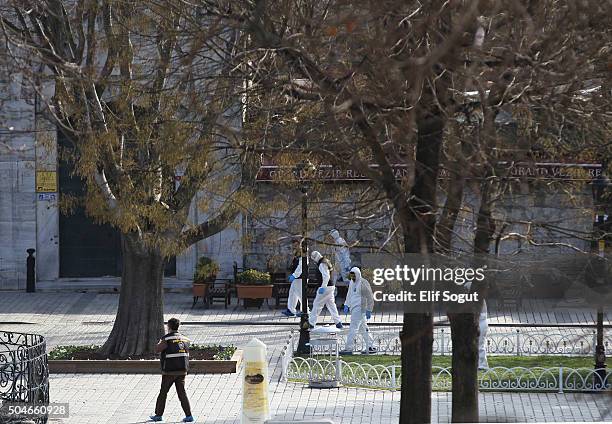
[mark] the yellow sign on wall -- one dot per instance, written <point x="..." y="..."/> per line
<point x="46" y="181"/>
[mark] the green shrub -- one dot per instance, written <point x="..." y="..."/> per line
<point x="224" y="353"/>
<point x="67" y="352"/>
<point x="205" y="271"/>
<point x="253" y="277"/>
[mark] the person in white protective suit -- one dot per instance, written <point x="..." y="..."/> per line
<point x="342" y="255"/>
<point x="359" y="302"/>
<point x="295" y="290"/>
<point x="326" y="293"/>
<point x="483" y="325"/>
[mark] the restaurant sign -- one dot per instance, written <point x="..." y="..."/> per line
<point x="524" y="171"/>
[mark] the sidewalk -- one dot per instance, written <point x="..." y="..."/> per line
<point x="86" y="318"/>
<point x="95" y="306"/>
<point x="216" y="399"/>
<point x="104" y="285"/>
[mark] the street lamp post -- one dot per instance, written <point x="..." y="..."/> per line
<point x="599" y="187"/>
<point x="304" y="342"/>
<point x="600" y="349"/>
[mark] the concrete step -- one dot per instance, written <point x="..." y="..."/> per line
<point x="103" y="285"/>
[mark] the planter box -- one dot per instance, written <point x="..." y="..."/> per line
<point x="151" y="366"/>
<point x="200" y="289"/>
<point x="254" y="292"/>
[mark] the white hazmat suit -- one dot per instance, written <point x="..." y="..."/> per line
<point x="360" y="302"/>
<point x="482" y="339"/>
<point x="325" y="293"/>
<point x="295" y="290"/>
<point x="342" y="256"/>
<point x="483" y="324"/>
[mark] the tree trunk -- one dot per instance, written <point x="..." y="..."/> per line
<point x="464" y="334"/>
<point x="445" y="228"/>
<point x="465" y="328"/>
<point x="485" y="226"/>
<point x="417" y="340"/>
<point x="139" y="322"/>
<point x="417" y="331"/>
<point x="457" y="167"/>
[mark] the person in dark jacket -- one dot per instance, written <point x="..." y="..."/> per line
<point x="174" y="349"/>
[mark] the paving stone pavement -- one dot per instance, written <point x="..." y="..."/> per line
<point x="97" y="307"/>
<point x="216" y="399"/>
<point x="86" y="318"/>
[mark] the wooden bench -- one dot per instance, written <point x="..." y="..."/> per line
<point x="220" y="290"/>
<point x="280" y="292"/>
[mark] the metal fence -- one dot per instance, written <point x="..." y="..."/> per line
<point x="556" y="379"/>
<point x="24" y="371"/>
<point x="519" y="342"/>
<point x="534" y="379"/>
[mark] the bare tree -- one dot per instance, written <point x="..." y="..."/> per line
<point x="389" y="78"/>
<point x="144" y="91"/>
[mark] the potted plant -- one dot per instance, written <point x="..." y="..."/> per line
<point x="205" y="274"/>
<point x="253" y="287"/>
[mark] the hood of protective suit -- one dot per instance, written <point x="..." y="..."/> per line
<point x="315" y="256"/>
<point x="335" y="234"/>
<point x="357" y="273"/>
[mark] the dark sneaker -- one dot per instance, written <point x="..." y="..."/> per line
<point x="288" y="313"/>
<point x="188" y="419"/>
<point x="156" y="417"/>
<point x="339" y="326"/>
<point x="370" y="351"/>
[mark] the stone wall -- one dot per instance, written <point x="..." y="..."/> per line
<point x="569" y="210"/>
<point x="17" y="175"/>
<point x="565" y="209"/>
<point x="28" y="143"/>
<point x="29" y="220"/>
<point x="225" y="247"/>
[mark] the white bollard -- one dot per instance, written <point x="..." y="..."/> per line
<point x="255" y="400"/>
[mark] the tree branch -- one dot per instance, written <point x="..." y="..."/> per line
<point x="210" y="227"/>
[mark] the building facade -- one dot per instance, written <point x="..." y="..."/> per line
<point x="72" y="246"/>
<point x="32" y="179"/>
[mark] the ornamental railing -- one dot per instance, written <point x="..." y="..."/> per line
<point x="517" y="342"/>
<point x="24" y="371"/>
<point x="537" y="379"/>
<point x="534" y="379"/>
<point x="287" y="355"/>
